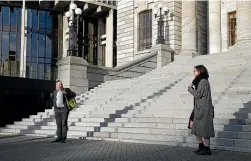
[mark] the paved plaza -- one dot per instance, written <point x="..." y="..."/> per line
<point x="23" y="148"/>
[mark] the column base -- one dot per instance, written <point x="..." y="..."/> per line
<point x="184" y="56"/>
<point x="72" y="71"/>
<point x="165" y="54"/>
<point x="240" y="46"/>
<point x="190" y="53"/>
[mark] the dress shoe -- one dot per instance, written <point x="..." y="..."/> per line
<point x="201" y="147"/>
<point x="56" y="141"/>
<point x="205" y="151"/>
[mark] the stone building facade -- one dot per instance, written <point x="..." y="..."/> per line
<point x="198" y="27"/>
<point x="117" y="39"/>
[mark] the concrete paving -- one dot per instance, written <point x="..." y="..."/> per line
<point x="27" y="148"/>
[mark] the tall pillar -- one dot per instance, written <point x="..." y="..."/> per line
<point x="214" y="14"/>
<point x="23" y="42"/>
<point x="188" y="28"/>
<point x="243" y="18"/>
<point x="109" y="40"/>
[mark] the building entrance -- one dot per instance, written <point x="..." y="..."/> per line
<point x="88" y="49"/>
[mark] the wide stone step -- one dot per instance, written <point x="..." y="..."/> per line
<point x="20" y="127"/>
<point x="137" y="136"/>
<point x="30" y="123"/>
<point x="234" y="135"/>
<point x="95" y="120"/>
<point x="182" y="112"/>
<point x="97" y="111"/>
<point x="238" y="107"/>
<point x="71" y="128"/>
<point x="178" y="132"/>
<point x="13" y="131"/>
<point x="87" y="124"/>
<point x="169" y="120"/>
<point x="95" y="116"/>
<point x="238" y="128"/>
<point x="175" y="132"/>
<point x="187" y="115"/>
<point x="173" y="126"/>
<point x="242" y="143"/>
<point x="52" y="132"/>
<point x="47" y="120"/>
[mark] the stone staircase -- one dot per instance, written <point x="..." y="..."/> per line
<point x="154" y="108"/>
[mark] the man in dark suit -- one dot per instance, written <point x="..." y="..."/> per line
<point x="61" y="110"/>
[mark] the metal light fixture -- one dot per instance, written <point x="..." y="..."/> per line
<point x="162" y="18"/>
<point x="73" y="23"/>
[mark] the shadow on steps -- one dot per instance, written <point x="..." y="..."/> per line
<point x="236" y="135"/>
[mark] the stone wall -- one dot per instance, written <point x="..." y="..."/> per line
<point x="97" y="75"/>
<point x="125" y="28"/>
<point x="201" y="19"/>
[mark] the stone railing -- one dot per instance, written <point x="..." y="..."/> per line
<point x="97" y="75"/>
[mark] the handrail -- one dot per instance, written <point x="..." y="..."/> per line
<point x="127" y="66"/>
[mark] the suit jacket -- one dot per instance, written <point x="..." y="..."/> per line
<point x="68" y="94"/>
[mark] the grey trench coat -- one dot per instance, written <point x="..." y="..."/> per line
<point x="204" y="111"/>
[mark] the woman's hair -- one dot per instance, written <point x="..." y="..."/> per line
<point x="202" y="70"/>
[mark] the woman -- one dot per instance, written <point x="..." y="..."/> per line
<point x="203" y="110"/>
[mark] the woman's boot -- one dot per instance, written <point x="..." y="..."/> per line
<point x="200" y="148"/>
<point x="205" y="151"/>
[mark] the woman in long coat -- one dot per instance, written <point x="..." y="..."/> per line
<point x="203" y="126"/>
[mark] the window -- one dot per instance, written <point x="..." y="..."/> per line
<point x="145" y="30"/>
<point x="10" y="36"/>
<point x="42" y="44"/>
<point x="232" y="28"/>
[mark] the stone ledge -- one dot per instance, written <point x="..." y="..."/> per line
<point x="72" y="60"/>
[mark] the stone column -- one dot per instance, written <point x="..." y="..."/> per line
<point x="109" y="40"/>
<point x="243" y="18"/>
<point x="72" y="71"/>
<point x="164" y="56"/>
<point x="189" y="47"/>
<point x="214" y="14"/>
<point x="23" y="42"/>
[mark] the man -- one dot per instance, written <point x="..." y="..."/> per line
<point x="61" y="110"/>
